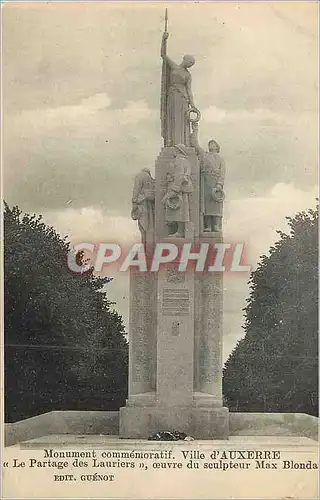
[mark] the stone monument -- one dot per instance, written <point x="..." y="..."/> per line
<point x="175" y="346"/>
<point x="143" y="203"/>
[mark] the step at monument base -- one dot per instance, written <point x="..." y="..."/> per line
<point x="200" y="423"/>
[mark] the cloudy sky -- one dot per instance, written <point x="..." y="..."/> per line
<point x="81" y="90"/>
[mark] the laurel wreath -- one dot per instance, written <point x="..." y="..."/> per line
<point x="174" y="201"/>
<point x="218" y="195"/>
<point x="195" y="119"/>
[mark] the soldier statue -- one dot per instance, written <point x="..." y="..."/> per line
<point x="212" y="176"/>
<point x="143" y="202"/>
<point x="179" y="188"/>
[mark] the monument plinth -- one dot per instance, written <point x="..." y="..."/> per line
<point x="175" y="353"/>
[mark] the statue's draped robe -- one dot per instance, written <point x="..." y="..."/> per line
<point x="143" y="201"/>
<point x="181" y="185"/>
<point x="174" y="105"/>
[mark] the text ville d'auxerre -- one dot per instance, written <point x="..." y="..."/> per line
<point x="219" y="460"/>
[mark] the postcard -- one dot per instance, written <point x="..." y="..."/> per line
<point x="160" y="250"/>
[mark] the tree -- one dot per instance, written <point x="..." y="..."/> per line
<point x="275" y="366"/>
<point x="64" y="343"/>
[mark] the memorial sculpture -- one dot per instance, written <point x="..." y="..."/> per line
<point x="212" y="176"/>
<point x="177" y="103"/>
<point x="175" y="318"/>
<point x="143" y="200"/>
<point x="179" y="187"/>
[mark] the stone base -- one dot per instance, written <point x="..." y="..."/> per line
<point x="200" y="423"/>
<point x="106" y="423"/>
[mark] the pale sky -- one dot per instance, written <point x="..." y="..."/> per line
<point x="81" y="87"/>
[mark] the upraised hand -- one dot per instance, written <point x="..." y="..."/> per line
<point x="195" y="126"/>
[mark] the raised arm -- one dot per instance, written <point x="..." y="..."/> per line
<point x="195" y="141"/>
<point x="164" y="56"/>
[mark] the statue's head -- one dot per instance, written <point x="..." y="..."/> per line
<point x="213" y="146"/>
<point x="188" y="61"/>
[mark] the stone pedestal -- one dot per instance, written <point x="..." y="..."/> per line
<point x="175" y="379"/>
<point x="200" y="423"/>
<point x="143" y="339"/>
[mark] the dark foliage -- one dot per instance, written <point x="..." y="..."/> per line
<point x="64" y="343"/>
<point x="274" y="368"/>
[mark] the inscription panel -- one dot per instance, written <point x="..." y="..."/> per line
<point x="175" y="302"/>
